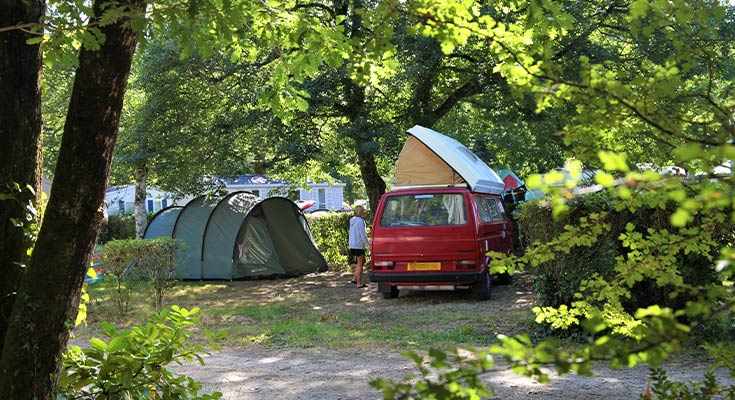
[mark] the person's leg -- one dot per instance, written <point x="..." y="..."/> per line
<point x="358" y="270"/>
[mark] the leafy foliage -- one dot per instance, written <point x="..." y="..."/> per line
<point x="448" y="376"/>
<point x="664" y="388"/>
<point x="129" y="263"/>
<point x="156" y="263"/>
<point x="132" y="364"/>
<point x="23" y="196"/>
<point x="609" y="252"/>
<point x="331" y="233"/>
<point x="117" y="227"/>
<point x="118" y="258"/>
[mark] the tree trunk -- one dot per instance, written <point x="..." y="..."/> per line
<point x="20" y="142"/>
<point x="48" y="297"/>
<point x="141" y="216"/>
<point x="374" y="184"/>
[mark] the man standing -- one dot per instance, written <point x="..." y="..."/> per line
<point x="358" y="242"/>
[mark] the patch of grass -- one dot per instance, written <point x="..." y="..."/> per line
<point x="323" y="311"/>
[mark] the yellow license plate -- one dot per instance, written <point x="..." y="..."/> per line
<point x="424" y="266"/>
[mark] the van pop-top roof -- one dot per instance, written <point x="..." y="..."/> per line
<point x="430" y="159"/>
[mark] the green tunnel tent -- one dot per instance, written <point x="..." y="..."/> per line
<point x="241" y="235"/>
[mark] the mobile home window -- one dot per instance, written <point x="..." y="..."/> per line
<point x="322" y="193"/>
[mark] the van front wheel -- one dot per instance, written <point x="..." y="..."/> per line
<point x="481" y="288"/>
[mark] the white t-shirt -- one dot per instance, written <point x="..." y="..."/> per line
<point x="358" y="238"/>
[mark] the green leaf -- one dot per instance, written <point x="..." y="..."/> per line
<point x="98" y="344"/>
<point x="681" y="217"/>
<point x="613" y="161"/>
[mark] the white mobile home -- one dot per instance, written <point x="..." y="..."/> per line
<point x="327" y="196"/>
<point x="121" y="200"/>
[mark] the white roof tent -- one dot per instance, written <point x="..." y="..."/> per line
<point x="431" y="159"/>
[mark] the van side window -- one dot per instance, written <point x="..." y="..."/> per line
<point x="482" y="209"/>
<point x="501" y="209"/>
<point x="494" y="210"/>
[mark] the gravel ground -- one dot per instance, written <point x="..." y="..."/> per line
<point x="341" y="375"/>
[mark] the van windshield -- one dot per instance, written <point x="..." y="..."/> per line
<point x="426" y="209"/>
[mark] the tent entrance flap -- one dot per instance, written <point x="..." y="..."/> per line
<point x="295" y="247"/>
<point x="429" y="158"/>
<point x="254" y="253"/>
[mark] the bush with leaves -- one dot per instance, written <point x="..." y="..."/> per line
<point x="131" y="263"/>
<point x="132" y="364"/>
<point x="157" y="264"/>
<point x="558" y="280"/>
<point x="118" y="258"/>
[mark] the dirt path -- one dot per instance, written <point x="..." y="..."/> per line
<point x="260" y="374"/>
<point x="316" y="373"/>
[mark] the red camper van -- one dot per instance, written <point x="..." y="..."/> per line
<point x="434" y="230"/>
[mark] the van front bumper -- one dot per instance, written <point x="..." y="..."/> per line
<point x="426" y="277"/>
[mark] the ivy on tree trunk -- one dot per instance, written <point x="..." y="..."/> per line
<point x="20" y="142"/>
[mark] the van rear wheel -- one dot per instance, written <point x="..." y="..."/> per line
<point x="481" y="288"/>
<point x="389" y="291"/>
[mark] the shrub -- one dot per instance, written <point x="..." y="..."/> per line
<point x="157" y="264"/>
<point x="118" y="257"/>
<point x="559" y="279"/>
<point x="331" y="233"/>
<point x="132" y="363"/>
<point x="625" y="240"/>
<point x="127" y="262"/>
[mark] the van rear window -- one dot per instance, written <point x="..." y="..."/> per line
<point x="438" y="209"/>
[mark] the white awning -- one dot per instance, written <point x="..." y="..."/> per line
<point x="429" y="158"/>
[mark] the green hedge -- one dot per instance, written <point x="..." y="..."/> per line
<point x="331" y="232"/>
<point x="558" y="280"/>
<point x="118" y="227"/>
